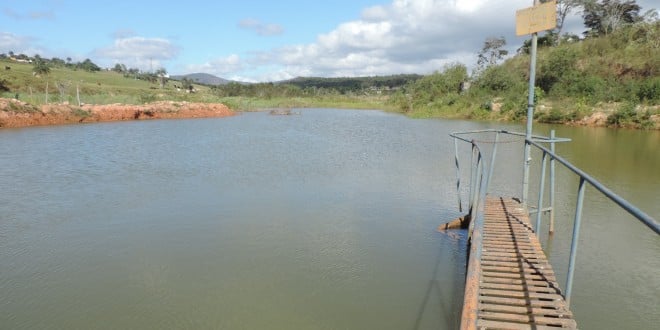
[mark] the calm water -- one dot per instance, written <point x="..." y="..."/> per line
<point x="324" y="220"/>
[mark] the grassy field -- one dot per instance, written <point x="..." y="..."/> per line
<point x="104" y="87"/>
<point x="107" y="87"/>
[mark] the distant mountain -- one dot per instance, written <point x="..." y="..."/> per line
<point x="346" y="84"/>
<point x="203" y="78"/>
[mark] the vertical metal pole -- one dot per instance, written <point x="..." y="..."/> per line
<point x="539" y="205"/>
<point x="492" y="160"/>
<point x="530" y="116"/>
<point x="473" y="180"/>
<point x="552" y="183"/>
<point x="458" y="176"/>
<point x="477" y="187"/>
<point x="574" y="242"/>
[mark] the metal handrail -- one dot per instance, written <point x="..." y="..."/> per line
<point x="479" y="189"/>
<point x="585" y="178"/>
<point x="479" y="180"/>
<point x="629" y="207"/>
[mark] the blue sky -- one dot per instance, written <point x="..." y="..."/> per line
<point x="252" y="40"/>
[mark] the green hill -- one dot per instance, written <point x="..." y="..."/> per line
<point x="64" y="84"/>
<point x="618" y="74"/>
<point x="616" y="77"/>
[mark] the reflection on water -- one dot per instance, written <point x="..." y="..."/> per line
<point x="320" y="221"/>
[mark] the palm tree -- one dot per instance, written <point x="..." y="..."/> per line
<point x="41" y="68"/>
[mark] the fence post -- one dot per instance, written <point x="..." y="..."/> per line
<point x="530" y="116"/>
<point x="539" y="205"/>
<point x="458" y="176"/>
<point x="552" y="182"/>
<point x="473" y="180"/>
<point x="492" y="160"/>
<point x="574" y="242"/>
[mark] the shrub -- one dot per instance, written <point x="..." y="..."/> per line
<point x="147" y="97"/>
<point x="499" y="79"/>
<point x="558" y="67"/>
<point x="649" y="90"/>
<point x="626" y="114"/>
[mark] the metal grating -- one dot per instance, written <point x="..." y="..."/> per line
<point x="517" y="288"/>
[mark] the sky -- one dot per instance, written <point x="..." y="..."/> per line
<point x="254" y="41"/>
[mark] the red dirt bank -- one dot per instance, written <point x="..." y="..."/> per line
<point x="14" y="113"/>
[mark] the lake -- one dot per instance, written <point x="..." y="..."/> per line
<point x="323" y="220"/>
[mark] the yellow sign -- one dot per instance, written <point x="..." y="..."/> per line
<point x="536" y="19"/>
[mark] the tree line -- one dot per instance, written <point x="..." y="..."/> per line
<point x="615" y="60"/>
<point x="43" y="65"/>
<point x="317" y="86"/>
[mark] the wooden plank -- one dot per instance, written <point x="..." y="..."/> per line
<point x="516" y="270"/>
<point x="511" y="244"/>
<point x="513" y="254"/>
<point x="518" y="263"/>
<point x="489" y="324"/>
<point x="526" y="276"/>
<point x="541" y="320"/>
<point x="513" y="281"/>
<point x="517" y="294"/>
<point x="505" y="233"/>
<point x="554" y="312"/>
<point x="520" y="287"/>
<point x="522" y="302"/>
<point x="496" y="248"/>
<point x="513" y="259"/>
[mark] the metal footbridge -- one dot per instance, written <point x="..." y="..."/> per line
<point x="509" y="283"/>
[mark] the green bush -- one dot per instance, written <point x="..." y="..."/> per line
<point x="649" y="90"/>
<point x="499" y="79"/>
<point x="147" y="97"/>
<point x="81" y="113"/>
<point x="626" y="114"/>
<point x="558" y="68"/>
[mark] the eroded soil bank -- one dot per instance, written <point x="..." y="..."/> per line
<point x="14" y="113"/>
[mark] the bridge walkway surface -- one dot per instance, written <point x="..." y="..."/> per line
<point x="510" y="284"/>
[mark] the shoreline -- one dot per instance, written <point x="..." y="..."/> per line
<point x="16" y="114"/>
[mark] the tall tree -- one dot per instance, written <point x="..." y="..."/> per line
<point x="119" y="68"/>
<point x="162" y="77"/>
<point x="565" y="7"/>
<point x="88" y="65"/>
<point x="603" y="17"/>
<point x="491" y="53"/>
<point x="41" y="68"/>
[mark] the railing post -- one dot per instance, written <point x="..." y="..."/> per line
<point x="539" y="205"/>
<point x="530" y="115"/>
<point x="552" y="183"/>
<point x="472" y="179"/>
<point x="477" y="188"/>
<point x="492" y="160"/>
<point x="574" y="242"/>
<point x="458" y="176"/>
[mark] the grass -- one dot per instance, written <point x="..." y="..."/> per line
<point x="107" y="87"/>
<point x="241" y="103"/>
<point x="103" y="87"/>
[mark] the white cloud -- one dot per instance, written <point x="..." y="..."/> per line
<point x="30" y="15"/>
<point x="405" y="36"/>
<point x="134" y="51"/>
<point x="10" y="42"/>
<point x="262" y="29"/>
<point x="224" y="66"/>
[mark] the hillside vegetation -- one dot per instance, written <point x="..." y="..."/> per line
<point x="64" y="84"/>
<point x="617" y="74"/>
<point x="607" y="80"/>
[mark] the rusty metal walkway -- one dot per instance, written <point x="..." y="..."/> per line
<point x="510" y="284"/>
